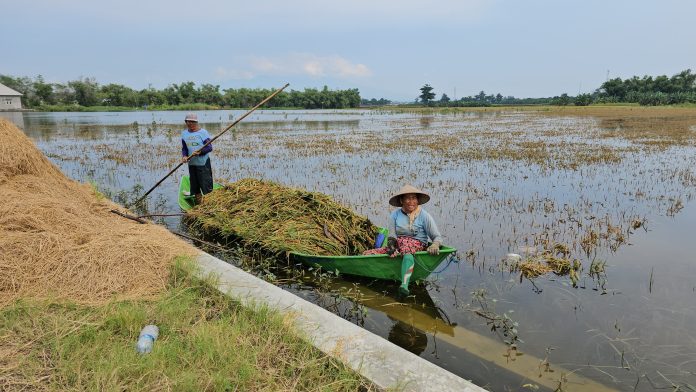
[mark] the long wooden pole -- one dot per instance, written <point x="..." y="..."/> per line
<point x="209" y="142"/>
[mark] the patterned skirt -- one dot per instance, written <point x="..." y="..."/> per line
<point x="405" y="245"/>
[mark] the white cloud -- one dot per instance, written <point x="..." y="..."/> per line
<point x="313" y="68"/>
<point x="346" y="69"/>
<point x="264" y="65"/>
<point x="296" y="64"/>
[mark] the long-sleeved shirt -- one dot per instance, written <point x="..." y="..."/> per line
<point x="192" y="141"/>
<point x="424" y="227"/>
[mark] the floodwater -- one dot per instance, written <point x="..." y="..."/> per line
<point x="611" y="189"/>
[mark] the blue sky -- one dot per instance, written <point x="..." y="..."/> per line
<point x="385" y="48"/>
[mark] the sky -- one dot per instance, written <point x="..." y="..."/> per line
<point x="385" y="48"/>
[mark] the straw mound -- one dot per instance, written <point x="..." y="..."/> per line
<point x="58" y="240"/>
<point x="276" y="219"/>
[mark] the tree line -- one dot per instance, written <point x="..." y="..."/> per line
<point x="87" y="92"/>
<point x="375" y="102"/>
<point x="646" y="90"/>
<point x="482" y="99"/>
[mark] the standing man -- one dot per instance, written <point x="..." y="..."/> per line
<point x="200" y="171"/>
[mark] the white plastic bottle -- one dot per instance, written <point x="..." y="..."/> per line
<point x="147" y="337"/>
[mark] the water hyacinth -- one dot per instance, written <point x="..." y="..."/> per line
<point x="277" y="219"/>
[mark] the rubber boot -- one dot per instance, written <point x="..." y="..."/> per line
<point x="406" y="272"/>
<point x="199" y="198"/>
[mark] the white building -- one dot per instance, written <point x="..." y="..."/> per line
<point x="9" y="99"/>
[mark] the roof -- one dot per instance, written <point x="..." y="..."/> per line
<point x="4" y="90"/>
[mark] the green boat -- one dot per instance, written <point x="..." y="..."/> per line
<point x="377" y="266"/>
<point x="186" y="200"/>
<point x="371" y="266"/>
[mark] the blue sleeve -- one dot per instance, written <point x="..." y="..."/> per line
<point x="431" y="229"/>
<point x="392" y="223"/>
<point x="207" y="148"/>
<point x="184" y="148"/>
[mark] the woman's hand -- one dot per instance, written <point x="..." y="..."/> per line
<point x="434" y="249"/>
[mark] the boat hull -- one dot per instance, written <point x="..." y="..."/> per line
<point x="186" y="202"/>
<point x="376" y="266"/>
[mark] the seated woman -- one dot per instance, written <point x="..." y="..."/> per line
<point x="413" y="228"/>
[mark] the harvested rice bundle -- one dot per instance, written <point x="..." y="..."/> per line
<point x="58" y="240"/>
<point x="278" y="219"/>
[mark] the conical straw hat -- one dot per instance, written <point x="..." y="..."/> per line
<point x="406" y="189"/>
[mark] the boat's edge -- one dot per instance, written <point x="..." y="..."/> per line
<point x="333" y="263"/>
<point x="182" y="200"/>
<point x="444" y="250"/>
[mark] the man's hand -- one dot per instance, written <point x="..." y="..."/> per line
<point x="434" y="249"/>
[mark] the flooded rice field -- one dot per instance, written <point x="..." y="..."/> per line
<point x="597" y="203"/>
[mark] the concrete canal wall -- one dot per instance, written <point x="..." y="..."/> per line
<point x="377" y="359"/>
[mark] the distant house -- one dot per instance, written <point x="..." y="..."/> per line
<point x="9" y="99"/>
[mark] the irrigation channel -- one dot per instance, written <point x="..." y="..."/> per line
<point x="609" y="190"/>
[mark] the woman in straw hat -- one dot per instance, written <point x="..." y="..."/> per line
<point x="413" y="227"/>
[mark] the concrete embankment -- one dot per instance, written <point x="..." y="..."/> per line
<point x="382" y="362"/>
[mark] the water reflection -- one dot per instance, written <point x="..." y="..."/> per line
<point x="425" y="121"/>
<point x="16" y="118"/>
<point x="408" y="337"/>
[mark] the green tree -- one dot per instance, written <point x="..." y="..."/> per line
<point x="325" y="98"/>
<point x="427" y="94"/>
<point x="563" y="100"/>
<point x="85" y="90"/>
<point x="614" y="88"/>
<point x="118" y="95"/>
<point x="187" y="91"/>
<point x="43" y="91"/>
<point x="151" y="96"/>
<point x="684" y="81"/>
<point x="210" y="94"/>
<point x="64" y="94"/>
<point x="660" y="90"/>
<point x="583" y="99"/>
<point x="171" y="95"/>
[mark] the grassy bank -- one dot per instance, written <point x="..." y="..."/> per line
<point x="207" y="342"/>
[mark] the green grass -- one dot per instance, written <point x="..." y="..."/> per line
<point x="207" y="342"/>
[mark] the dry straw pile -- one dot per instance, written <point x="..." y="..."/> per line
<point x="277" y="219"/>
<point x="59" y="241"/>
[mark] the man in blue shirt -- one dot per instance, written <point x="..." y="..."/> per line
<point x="193" y="138"/>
